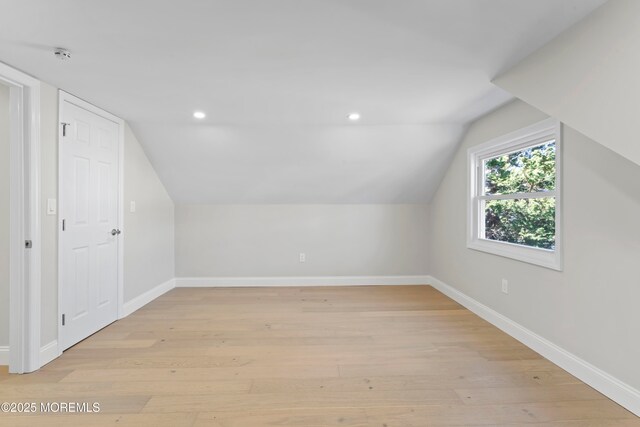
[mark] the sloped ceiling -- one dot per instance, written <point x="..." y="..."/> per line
<point x="277" y="79"/>
<point x="589" y="77"/>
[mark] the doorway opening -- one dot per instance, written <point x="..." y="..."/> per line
<point x="20" y="206"/>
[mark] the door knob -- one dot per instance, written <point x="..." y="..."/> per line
<point x="115" y="231"/>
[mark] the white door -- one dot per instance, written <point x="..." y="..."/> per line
<point x="90" y="230"/>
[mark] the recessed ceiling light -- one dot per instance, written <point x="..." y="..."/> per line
<point x="354" y="116"/>
<point x="199" y="115"/>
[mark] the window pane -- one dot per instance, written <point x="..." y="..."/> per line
<point x="529" y="170"/>
<point x="529" y="222"/>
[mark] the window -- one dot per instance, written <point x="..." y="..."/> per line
<point x="514" y="195"/>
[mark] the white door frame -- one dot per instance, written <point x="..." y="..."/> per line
<point x="24" y="264"/>
<point x="67" y="97"/>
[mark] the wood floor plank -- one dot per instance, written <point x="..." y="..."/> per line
<point x="328" y="400"/>
<point x="494" y="395"/>
<point x="545" y="413"/>
<point x="307" y="417"/>
<point x="101" y="420"/>
<point x="413" y="382"/>
<point x="394" y="356"/>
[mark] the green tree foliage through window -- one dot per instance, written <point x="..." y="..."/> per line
<point x="525" y="220"/>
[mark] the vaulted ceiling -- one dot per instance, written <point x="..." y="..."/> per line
<point x="277" y="79"/>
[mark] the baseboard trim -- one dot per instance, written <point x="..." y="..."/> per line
<point x="4" y="355"/>
<point x="48" y="352"/>
<point x="223" y="282"/>
<point x="144" y="299"/>
<point x="613" y="388"/>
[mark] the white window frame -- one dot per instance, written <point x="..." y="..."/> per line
<point x="512" y="142"/>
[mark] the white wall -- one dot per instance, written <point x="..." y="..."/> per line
<point x="285" y="164"/>
<point x="265" y="240"/>
<point x="590" y="308"/>
<point x="4" y="215"/>
<point x="149" y="232"/>
<point x="49" y="190"/>
<point x="588" y="77"/>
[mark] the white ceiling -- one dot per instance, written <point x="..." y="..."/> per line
<point x="277" y="79"/>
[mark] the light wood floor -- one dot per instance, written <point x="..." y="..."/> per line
<point x="331" y="356"/>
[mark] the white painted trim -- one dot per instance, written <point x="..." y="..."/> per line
<point x="49" y="352"/>
<point x="613" y="388"/>
<point x="514" y="141"/>
<point x="121" y="226"/>
<point x="144" y="299"/>
<point x="67" y="97"/>
<point x="4" y="355"/>
<point x="221" y="282"/>
<point x="537" y="256"/>
<point x="24" y="264"/>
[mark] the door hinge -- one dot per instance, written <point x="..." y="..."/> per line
<point x="28" y="244"/>
<point x="64" y="128"/>
<point x="63" y="319"/>
<point x="64" y="224"/>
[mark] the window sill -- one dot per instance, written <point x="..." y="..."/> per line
<point x="540" y="257"/>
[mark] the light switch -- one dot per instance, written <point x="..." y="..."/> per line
<point x="132" y="206"/>
<point x="52" y="206"/>
<point x="505" y="286"/>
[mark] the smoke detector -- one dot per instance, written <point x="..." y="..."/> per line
<point x="62" y="54"/>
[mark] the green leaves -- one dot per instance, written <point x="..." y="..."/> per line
<point x="525" y="221"/>
<point x="527" y="171"/>
<point x="529" y="222"/>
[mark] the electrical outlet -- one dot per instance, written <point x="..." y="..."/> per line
<point x="132" y="206"/>
<point x="303" y="257"/>
<point x="505" y="286"/>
